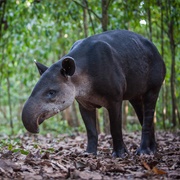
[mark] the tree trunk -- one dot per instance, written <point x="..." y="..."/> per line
<point x="104" y="23"/>
<point x="10" y="105"/>
<point x="148" y="7"/>
<point x="97" y="122"/>
<point x="162" y="54"/>
<point x="173" y="86"/>
<point x="70" y="114"/>
<point x="85" y="20"/>
<point x="3" y="23"/>
<point x="125" y="113"/>
<point x="173" y="52"/>
<point x="106" y="125"/>
<point x="104" y="19"/>
<point x="126" y="15"/>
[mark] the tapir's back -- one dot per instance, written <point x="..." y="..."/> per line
<point x="125" y="47"/>
<point x="120" y="58"/>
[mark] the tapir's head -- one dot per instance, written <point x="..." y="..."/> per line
<point x="53" y="93"/>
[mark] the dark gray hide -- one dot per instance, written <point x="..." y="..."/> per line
<point x="102" y="70"/>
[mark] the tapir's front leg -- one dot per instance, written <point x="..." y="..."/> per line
<point x="115" y="114"/>
<point x="89" y="118"/>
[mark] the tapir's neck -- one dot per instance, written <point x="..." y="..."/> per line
<point x="82" y="85"/>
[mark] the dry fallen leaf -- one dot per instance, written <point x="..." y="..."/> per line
<point x="45" y="155"/>
<point x="48" y="157"/>
<point x="146" y="165"/>
<point x="151" y="167"/>
<point x="9" y="166"/>
<point x="80" y="165"/>
<point x="158" y="171"/>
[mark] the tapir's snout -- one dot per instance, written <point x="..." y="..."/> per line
<point x="33" y="114"/>
<point x="29" y="118"/>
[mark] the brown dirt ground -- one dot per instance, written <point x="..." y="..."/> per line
<point x="46" y="157"/>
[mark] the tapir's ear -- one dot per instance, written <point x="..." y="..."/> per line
<point x="41" y="68"/>
<point x="68" y="66"/>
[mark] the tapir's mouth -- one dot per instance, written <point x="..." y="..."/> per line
<point x="45" y="115"/>
<point x="41" y="118"/>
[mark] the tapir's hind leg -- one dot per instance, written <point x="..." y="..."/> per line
<point x="138" y="107"/>
<point x="148" y="143"/>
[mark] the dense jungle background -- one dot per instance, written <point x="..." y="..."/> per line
<point x="45" y="30"/>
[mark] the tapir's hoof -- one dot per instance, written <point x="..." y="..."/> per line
<point x="91" y="152"/>
<point x="146" y="151"/>
<point x="120" y="153"/>
<point x="86" y="154"/>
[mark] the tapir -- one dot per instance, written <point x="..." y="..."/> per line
<point x="101" y="71"/>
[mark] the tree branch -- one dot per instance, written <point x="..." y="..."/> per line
<point x="90" y="17"/>
<point x="99" y="18"/>
<point x="109" y="2"/>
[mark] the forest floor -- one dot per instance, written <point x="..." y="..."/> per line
<point x="46" y="157"/>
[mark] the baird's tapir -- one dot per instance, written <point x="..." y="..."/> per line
<point x="102" y="71"/>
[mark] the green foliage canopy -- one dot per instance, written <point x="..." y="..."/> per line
<point x="45" y="31"/>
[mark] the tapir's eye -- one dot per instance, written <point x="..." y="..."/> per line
<point x="51" y="93"/>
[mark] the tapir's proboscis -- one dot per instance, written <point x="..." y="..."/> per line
<point x="102" y="71"/>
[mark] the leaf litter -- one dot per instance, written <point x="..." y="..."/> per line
<point x="39" y="157"/>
